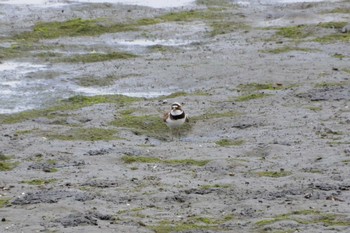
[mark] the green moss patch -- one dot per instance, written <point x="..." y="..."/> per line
<point x="24" y="44"/>
<point x="11" y="52"/>
<point x="51" y="170"/>
<point x="29" y="41"/>
<point x="197" y="223"/>
<point x="230" y="142"/>
<point x="314" y="108"/>
<point x="337" y="37"/>
<point x="301" y="32"/>
<point x="306" y="217"/>
<point x="149" y="125"/>
<point x="161" y="48"/>
<point x="223" y="27"/>
<point x="4" y="202"/>
<point x="94" y="27"/>
<point x="6" y="164"/>
<point x="330" y="84"/>
<point x="83" y="101"/>
<point x="96" y="57"/>
<point x="339" y="56"/>
<point x="20" y="48"/>
<point x="73" y="103"/>
<point x="4" y="157"/>
<point x="140" y="159"/>
<point x="147" y="21"/>
<point x="274" y="174"/>
<point x="39" y="181"/>
<point x="212" y="221"/>
<point x="220" y="20"/>
<point x="215" y="186"/>
<point x="333" y="37"/>
<point x="166" y="227"/>
<point x="345" y="10"/>
<point x="85" y="134"/>
<point x="294" y="32"/>
<point x="249" y="87"/>
<point x="153" y="125"/>
<point x="73" y="27"/>
<point x="333" y="25"/>
<point x="23" y="132"/>
<point x="287" y="49"/>
<point x="252" y="97"/>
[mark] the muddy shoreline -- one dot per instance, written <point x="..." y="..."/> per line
<point x="267" y="149"/>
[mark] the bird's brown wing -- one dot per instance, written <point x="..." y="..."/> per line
<point x="165" y="116"/>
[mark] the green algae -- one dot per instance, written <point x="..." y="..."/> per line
<point x="230" y="142"/>
<point x="72" y="103"/>
<point x="141" y="159"/>
<point x="85" y="134"/>
<point x="274" y="174"/>
<point x="253" y="96"/>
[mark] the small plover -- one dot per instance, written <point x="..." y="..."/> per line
<point x="175" y="117"/>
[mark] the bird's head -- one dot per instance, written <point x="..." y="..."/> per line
<point x="176" y="106"/>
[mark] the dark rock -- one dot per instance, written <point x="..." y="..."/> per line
<point x="98" y="152"/>
<point x="101" y="183"/>
<point x="83" y="197"/>
<point x="104" y="217"/>
<point x="344" y="187"/>
<point x="248" y="212"/>
<point x="324" y="186"/>
<point x="50" y="196"/>
<point x="177" y="198"/>
<point x="243" y="125"/>
<point x="77" y="219"/>
<point x="47" y="166"/>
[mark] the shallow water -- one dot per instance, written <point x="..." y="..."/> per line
<point x="21" y="88"/>
<point x="18" y="91"/>
<point x="149" y="3"/>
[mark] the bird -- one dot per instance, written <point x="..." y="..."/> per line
<point x="176" y="117"/>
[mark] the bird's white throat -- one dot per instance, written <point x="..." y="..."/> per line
<point x="176" y="112"/>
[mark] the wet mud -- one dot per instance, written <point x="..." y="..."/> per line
<point x="267" y="147"/>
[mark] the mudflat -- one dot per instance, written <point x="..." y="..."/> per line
<point x="267" y="148"/>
